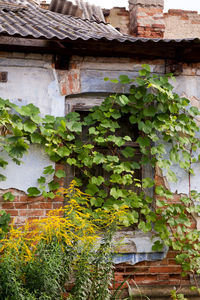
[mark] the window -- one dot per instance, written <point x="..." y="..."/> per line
<point x="83" y="106"/>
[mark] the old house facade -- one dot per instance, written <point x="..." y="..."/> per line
<point x="58" y="62"/>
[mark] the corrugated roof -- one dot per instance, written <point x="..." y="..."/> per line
<point x="32" y="21"/>
<point x="28" y="3"/>
<point x="78" y="8"/>
<point x="24" y="18"/>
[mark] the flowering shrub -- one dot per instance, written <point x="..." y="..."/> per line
<point x="38" y="259"/>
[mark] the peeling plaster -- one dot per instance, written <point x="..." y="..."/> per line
<point x="189" y="87"/>
<point x="26" y="174"/>
<point x="30" y="80"/>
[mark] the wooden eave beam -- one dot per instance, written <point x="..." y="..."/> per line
<point x="180" y="51"/>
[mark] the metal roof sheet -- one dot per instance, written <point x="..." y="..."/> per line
<point x="77" y="8"/>
<point x="25" y="18"/>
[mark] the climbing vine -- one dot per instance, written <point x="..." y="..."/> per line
<point x="108" y="151"/>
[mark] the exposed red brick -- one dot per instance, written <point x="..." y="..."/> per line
<point x="12" y="212"/>
<point x="163" y="269"/>
<point x="7" y="205"/>
<point x="21" y="205"/>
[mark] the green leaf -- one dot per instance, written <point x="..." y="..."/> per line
<point x="41" y="180"/>
<point x="36" y="138"/>
<point x="97" y="180"/>
<point x="29" y="126"/>
<point x="71" y="161"/>
<point x="49" y="170"/>
<point x="149" y="111"/>
<point x="8" y="196"/>
<point x="91" y="189"/>
<point x="74" y="126"/>
<point x="123" y="100"/>
<point x="114" y="80"/>
<point x="157" y="246"/>
<point x="60" y="174"/>
<point x="116" y="193"/>
<point x="145" y="227"/>
<point x="128" y="152"/>
<point x="33" y="192"/>
<point x="49" y="119"/>
<point x="53" y="185"/>
<point x="124" y="79"/>
<point x="64" y="151"/>
<point x="3" y="163"/>
<point x="143" y="141"/>
<point x="146" y="67"/>
<point x="2" y="177"/>
<point x="98" y="158"/>
<point x="148" y="182"/>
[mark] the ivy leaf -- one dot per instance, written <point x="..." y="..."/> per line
<point x="133" y="119"/>
<point x="71" y="161"/>
<point x="97" y="180"/>
<point x="8" y="196"/>
<point x="48" y="119"/>
<point x="36" y="138"/>
<point x="149" y="111"/>
<point x="60" y="174"/>
<point x="124" y="79"/>
<point x="128" y="152"/>
<point x="50" y="195"/>
<point x="28" y="110"/>
<point x="97" y="201"/>
<point x="33" y="192"/>
<point x="143" y="141"/>
<point x="41" y="180"/>
<point x="48" y="170"/>
<point x="145" y="227"/>
<point x="147" y="182"/>
<point x="157" y="246"/>
<point x="116" y="193"/>
<point x="29" y="126"/>
<point x="2" y="177"/>
<point x="123" y="100"/>
<point x="146" y="67"/>
<point x="3" y="163"/>
<point x="63" y="151"/>
<point x="53" y="185"/>
<point x="91" y="189"/>
<point x="74" y="126"/>
<point x="98" y="158"/>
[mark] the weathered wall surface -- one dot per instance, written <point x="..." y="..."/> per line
<point x="83" y="86"/>
<point x="181" y="24"/>
<point x="145" y="18"/>
<point x="31" y="79"/>
<point x="119" y="18"/>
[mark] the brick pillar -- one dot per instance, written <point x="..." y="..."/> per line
<point x="146" y="18"/>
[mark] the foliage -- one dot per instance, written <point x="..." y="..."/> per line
<point x="159" y="123"/>
<point x="39" y="258"/>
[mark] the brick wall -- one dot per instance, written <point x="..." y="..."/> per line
<point x="27" y="208"/>
<point x="146" y="18"/>
<point x="182" y="24"/>
<point x="119" y="18"/>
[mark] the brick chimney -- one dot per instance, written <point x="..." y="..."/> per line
<point x="146" y="18"/>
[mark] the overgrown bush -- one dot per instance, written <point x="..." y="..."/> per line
<point x="40" y="258"/>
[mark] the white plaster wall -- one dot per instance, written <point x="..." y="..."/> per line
<point x="25" y="175"/>
<point x="31" y="79"/>
<point x="189" y="87"/>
